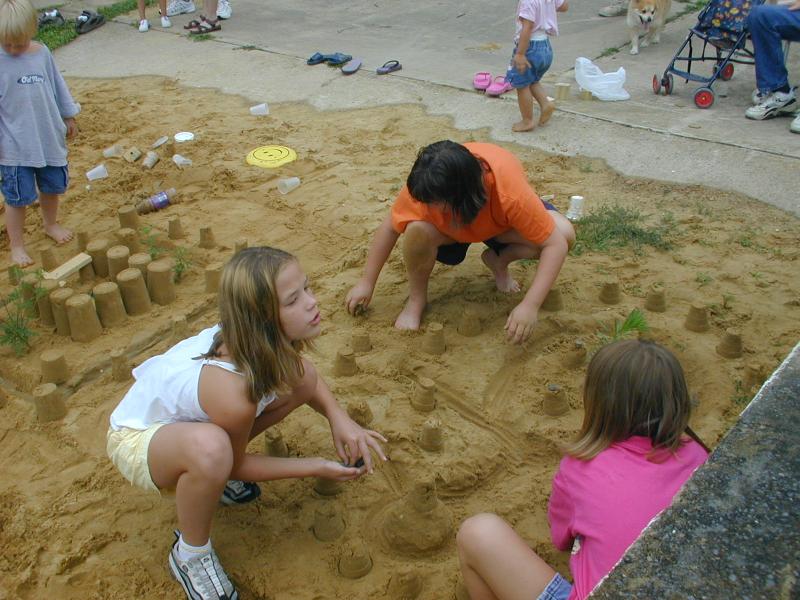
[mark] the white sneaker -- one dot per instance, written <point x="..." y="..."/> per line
<point x="165" y="22"/>
<point x="773" y="105"/>
<point x="202" y="577"/>
<point x="144" y="26"/>
<point x="224" y="9"/>
<point x="180" y="7"/>
<point x="795" y="125"/>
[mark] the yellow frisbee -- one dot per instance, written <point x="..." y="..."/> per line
<point x="269" y="157"/>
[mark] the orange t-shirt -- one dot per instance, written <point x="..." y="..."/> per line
<point x="511" y="203"/>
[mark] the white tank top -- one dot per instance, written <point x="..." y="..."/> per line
<point x="165" y="390"/>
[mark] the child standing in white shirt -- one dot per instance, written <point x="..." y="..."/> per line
<point x="533" y="55"/>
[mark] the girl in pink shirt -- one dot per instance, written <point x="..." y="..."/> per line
<point x="631" y="457"/>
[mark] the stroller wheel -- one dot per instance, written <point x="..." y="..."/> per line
<point x="656" y="85"/>
<point x="668" y="84"/>
<point x="703" y="97"/>
<point x="727" y="72"/>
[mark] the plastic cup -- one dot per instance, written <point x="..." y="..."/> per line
<point x="575" y="211"/>
<point x="99" y="172"/>
<point x="160" y="141"/>
<point x="181" y="161"/>
<point x="259" y="109"/>
<point x="112" y="151"/>
<point x="287" y="185"/>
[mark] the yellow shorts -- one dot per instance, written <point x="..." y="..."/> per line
<point x="127" y="449"/>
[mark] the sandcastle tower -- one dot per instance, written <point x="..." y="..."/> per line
<point x="431" y="437"/>
<point x="405" y="584"/>
<point x="120" y="366"/>
<point x="360" y="341"/>
<point x="576" y="357"/>
<point x="274" y="444"/>
<point x="433" y="341"/>
<point x="697" y="319"/>
<point x="423" y="398"/>
<point x="554" y="301"/>
<point x="46" y="286"/>
<point x="128" y="217"/>
<point x="345" y="363"/>
<point x="360" y="412"/>
<point x="328" y="523"/>
<point x="49" y="403"/>
<point x="555" y="401"/>
<point x="731" y="344"/>
<point x="174" y="228"/>
<point x="419" y="522"/>
<point x="354" y="559"/>
<point x="470" y="323"/>
<point x="97" y="250"/>
<point x="610" y="293"/>
<point x="58" y="298"/>
<point x="213" y="275"/>
<point x="327" y="487"/>
<point x="207" y="239"/>
<point x="84" y="323"/>
<point x="656" y="301"/>
<point x="109" y="304"/>
<point x="54" y="366"/>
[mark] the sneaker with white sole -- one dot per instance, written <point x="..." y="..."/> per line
<point x="616" y="9"/>
<point x="144" y="26"/>
<point x="202" y="577"/>
<point x="758" y="96"/>
<point x="224" y="9"/>
<point x="773" y="105"/>
<point x="180" y="7"/>
<point x="794" y="127"/>
<point x="239" y="492"/>
<point x="165" y="22"/>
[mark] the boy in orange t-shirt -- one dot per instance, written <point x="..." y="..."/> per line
<point x="458" y="194"/>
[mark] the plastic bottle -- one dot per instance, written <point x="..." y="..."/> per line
<point x="575" y="211"/>
<point x="155" y="202"/>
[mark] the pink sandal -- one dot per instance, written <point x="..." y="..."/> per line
<point x="499" y="86"/>
<point x="482" y="80"/>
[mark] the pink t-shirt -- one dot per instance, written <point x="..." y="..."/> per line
<point x="603" y="504"/>
<point x="542" y="13"/>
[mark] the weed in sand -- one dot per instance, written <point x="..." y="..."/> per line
<point x="182" y="263"/>
<point x="614" y="227"/>
<point x="703" y="279"/>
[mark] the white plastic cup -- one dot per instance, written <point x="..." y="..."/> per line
<point x="160" y="141"/>
<point x="150" y="159"/>
<point x="113" y="151"/>
<point x="575" y="210"/>
<point x="287" y="185"/>
<point x="181" y="161"/>
<point x="259" y="109"/>
<point x="99" y="172"/>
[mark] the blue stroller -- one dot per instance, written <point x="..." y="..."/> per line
<point x="722" y="28"/>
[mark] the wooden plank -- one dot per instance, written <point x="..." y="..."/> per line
<point x="73" y="265"/>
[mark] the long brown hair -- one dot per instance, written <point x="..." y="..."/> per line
<point x="250" y="322"/>
<point x="632" y="388"/>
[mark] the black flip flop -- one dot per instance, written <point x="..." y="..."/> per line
<point x="390" y="66"/>
<point x="51" y="17"/>
<point x="88" y="21"/>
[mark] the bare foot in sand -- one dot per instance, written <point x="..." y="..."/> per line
<point x="503" y="279"/>
<point x="20" y="258"/>
<point x="523" y="126"/>
<point x="547" y="112"/>
<point x="60" y="234"/>
<point x="411" y="317"/>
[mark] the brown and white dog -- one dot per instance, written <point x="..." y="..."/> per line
<point x="646" y="17"/>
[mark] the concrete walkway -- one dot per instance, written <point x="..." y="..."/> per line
<point x="441" y="45"/>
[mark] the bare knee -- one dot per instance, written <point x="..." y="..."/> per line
<point x="475" y="530"/>
<point x="210" y="453"/>
<point x="419" y="240"/>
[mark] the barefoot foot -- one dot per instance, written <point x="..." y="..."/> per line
<point x="502" y="278"/>
<point x="411" y="316"/>
<point x="547" y="112"/>
<point x="60" y="234"/>
<point x="523" y="125"/>
<point x="20" y="258"/>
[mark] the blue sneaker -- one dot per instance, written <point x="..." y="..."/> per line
<point x="239" y="492"/>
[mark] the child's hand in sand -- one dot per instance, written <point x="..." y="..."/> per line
<point x="521" y="322"/>
<point x="72" y="127"/>
<point x="358" y="297"/>
<point x="328" y="469"/>
<point x="353" y="441"/>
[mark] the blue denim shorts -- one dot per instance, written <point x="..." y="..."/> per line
<point x="20" y="183"/>
<point x="558" y="589"/>
<point x="540" y="55"/>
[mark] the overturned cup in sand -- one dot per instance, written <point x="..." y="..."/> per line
<point x="114" y="151"/>
<point x="99" y="172"/>
<point x="287" y="185"/>
<point x="181" y="161"/>
<point x="259" y="109"/>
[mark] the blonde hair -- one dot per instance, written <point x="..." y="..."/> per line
<point x="17" y="21"/>
<point x="250" y="322"/>
<point x="633" y="388"/>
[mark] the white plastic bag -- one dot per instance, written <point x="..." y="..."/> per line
<point x="604" y="86"/>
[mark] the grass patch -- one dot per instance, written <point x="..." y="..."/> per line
<point x="55" y="36"/>
<point x="201" y="37"/>
<point x="247" y="47"/>
<point x="635" y="323"/>
<point x="616" y="227"/>
<point x="609" y="52"/>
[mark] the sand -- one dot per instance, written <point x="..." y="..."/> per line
<point x="71" y="527"/>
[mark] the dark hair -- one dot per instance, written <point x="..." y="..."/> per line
<point x="447" y="172"/>
<point x="633" y="387"/>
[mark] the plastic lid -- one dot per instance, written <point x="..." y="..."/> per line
<point x="184" y="136"/>
<point x="270" y="157"/>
